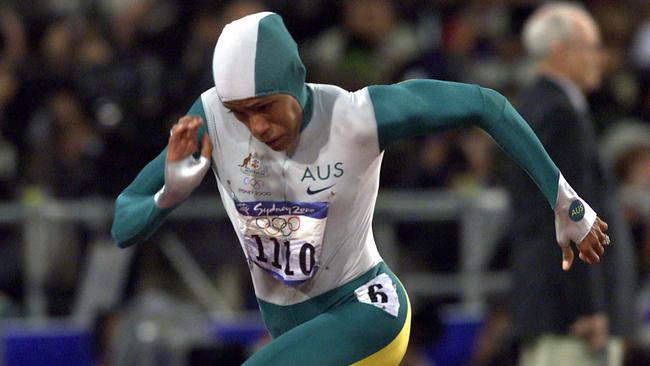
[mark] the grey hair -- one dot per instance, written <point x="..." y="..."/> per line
<point x="549" y="25"/>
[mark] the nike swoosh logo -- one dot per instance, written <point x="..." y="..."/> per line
<point x="309" y="191"/>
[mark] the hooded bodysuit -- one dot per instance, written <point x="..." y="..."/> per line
<point x="304" y="217"/>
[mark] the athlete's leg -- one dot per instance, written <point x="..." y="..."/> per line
<point x="352" y="333"/>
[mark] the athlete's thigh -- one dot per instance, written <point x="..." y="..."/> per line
<point x="354" y="332"/>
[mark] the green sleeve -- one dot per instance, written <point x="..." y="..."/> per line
<point x="197" y="110"/>
<point x="419" y="107"/>
<point x="136" y="215"/>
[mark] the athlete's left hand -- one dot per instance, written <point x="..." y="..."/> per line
<point x="591" y="248"/>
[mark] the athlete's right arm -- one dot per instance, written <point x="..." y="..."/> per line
<point x="163" y="183"/>
<point x="136" y="214"/>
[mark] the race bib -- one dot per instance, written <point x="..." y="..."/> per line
<point x="284" y="238"/>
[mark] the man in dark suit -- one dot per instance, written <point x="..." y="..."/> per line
<point x="578" y="317"/>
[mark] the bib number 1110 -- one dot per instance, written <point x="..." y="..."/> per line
<point x="282" y="253"/>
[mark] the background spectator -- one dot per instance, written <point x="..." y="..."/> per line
<point x="554" y="318"/>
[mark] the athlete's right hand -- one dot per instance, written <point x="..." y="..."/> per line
<point x="182" y="139"/>
<point x="183" y="172"/>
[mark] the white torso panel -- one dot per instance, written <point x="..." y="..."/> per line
<point x="303" y="220"/>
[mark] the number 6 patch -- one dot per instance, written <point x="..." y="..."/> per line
<point x="380" y="292"/>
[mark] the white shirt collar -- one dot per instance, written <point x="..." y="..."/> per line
<point x="576" y="96"/>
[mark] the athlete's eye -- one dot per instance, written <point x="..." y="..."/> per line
<point x="240" y="116"/>
<point x="262" y="108"/>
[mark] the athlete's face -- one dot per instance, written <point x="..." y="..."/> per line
<point x="273" y="119"/>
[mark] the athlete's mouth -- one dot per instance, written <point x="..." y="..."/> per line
<point x="273" y="142"/>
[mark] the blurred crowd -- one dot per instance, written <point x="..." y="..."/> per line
<point x="89" y="88"/>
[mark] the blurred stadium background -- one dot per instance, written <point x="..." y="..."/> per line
<point x="89" y="88"/>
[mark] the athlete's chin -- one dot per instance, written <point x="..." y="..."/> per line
<point x="276" y="148"/>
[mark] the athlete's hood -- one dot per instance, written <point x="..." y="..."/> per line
<point x="256" y="56"/>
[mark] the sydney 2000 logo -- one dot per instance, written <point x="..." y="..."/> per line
<point x="253" y="166"/>
<point x="255" y="171"/>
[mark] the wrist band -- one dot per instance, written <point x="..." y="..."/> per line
<point x="181" y="178"/>
<point x="573" y="216"/>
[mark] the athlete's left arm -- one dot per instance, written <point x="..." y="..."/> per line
<point x="419" y="107"/>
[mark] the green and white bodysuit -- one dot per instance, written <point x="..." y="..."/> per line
<point x="304" y="218"/>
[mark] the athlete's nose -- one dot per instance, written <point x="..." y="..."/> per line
<point x="258" y="125"/>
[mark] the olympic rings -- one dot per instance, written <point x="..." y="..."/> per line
<point x="257" y="184"/>
<point x="262" y="222"/>
<point x="278" y="225"/>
